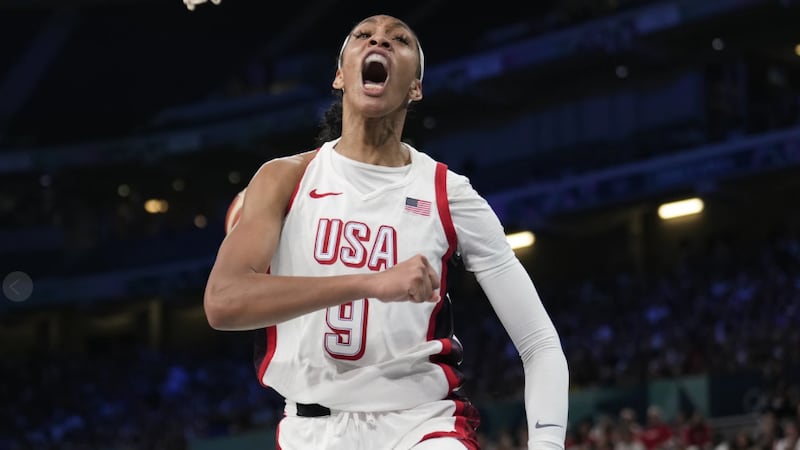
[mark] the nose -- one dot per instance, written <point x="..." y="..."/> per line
<point x="380" y="40"/>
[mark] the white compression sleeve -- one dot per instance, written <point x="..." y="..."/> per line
<point x="520" y="310"/>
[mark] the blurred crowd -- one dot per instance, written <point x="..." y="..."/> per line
<point x="771" y="429"/>
<point x="131" y="398"/>
<point x="719" y="310"/>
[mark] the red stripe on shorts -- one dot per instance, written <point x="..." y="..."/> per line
<point x="467" y="422"/>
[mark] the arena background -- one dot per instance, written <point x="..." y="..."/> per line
<point x="127" y="127"/>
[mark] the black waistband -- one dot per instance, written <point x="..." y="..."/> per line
<point x="312" y="410"/>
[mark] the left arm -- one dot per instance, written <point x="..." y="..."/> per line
<point x="517" y="304"/>
<point x="520" y="310"/>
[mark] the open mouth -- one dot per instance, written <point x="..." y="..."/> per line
<point x="374" y="72"/>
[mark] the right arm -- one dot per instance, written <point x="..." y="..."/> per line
<point x="240" y="295"/>
<point x="515" y="300"/>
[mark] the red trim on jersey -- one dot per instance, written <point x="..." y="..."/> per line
<point x="443" y="206"/>
<point x="294" y="194"/>
<point x="447" y="346"/>
<point x="271" y="337"/>
<point x="453" y="379"/>
<point x="271" y="333"/>
<point x="297" y="186"/>
<point x="467" y="421"/>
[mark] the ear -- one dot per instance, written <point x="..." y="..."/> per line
<point x="415" y="92"/>
<point x="338" y="80"/>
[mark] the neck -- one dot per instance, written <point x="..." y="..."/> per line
<point x="374" y="140"/>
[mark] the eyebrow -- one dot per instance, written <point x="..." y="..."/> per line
<point x="391" y="26"/>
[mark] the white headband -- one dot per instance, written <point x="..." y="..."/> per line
<point x="419" y="48"/>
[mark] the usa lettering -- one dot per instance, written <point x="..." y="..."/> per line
<point x="355" y="245"/>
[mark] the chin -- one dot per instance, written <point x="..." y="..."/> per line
<point x="376" y="107"/>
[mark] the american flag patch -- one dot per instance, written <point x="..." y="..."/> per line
<point x="417" y="206"/>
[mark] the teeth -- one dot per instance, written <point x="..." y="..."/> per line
<point x="376" y="57"/>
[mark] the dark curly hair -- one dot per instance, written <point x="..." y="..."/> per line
<point x="330" y="126"/>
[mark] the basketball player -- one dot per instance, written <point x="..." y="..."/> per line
<point x="339" y="258"/>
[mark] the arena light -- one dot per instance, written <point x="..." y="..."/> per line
<point x="156" y="206"/>
<point x="797" y="49"/>
<point x="680" y="208"/>
<point x="123" y="190"/>
<point x="200" y="221"/>
<point x="520" y="240"/>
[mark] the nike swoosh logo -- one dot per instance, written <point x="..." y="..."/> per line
<point x="315" y="194"/>
<point x="547" y="425"/>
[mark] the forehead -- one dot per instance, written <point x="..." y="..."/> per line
<point x="388" y="22"/>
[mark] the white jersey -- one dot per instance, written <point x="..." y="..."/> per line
<point x="364" y="355"/>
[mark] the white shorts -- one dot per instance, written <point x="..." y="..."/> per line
<point x="440" y="425"/>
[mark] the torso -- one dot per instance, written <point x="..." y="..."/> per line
<point x="364" y="355"/>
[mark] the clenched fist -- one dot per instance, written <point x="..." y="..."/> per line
<point x="413" y="279"/>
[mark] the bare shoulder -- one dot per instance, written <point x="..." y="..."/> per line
<point x="297" y="163"/>
<point x="291" y="167"/>
<point x="276" y="179"/>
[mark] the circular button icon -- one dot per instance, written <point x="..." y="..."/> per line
<point x="17" y="286"/>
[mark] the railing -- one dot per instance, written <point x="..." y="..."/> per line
<point x="698" y="170"/>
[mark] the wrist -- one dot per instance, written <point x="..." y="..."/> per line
<point x="366" y="285"/>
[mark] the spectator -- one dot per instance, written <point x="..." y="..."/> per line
<point x="789" y="440"/>
<point x="697" y="435"/>
<point x="656" y="434"/>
